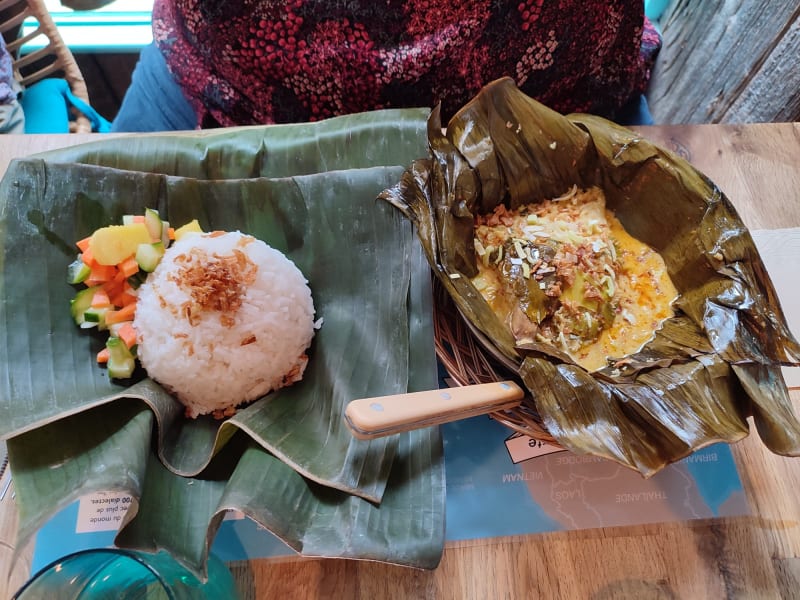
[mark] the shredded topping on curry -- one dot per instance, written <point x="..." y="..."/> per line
<point x="566" y="273"/>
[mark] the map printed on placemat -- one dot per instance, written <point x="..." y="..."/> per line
<point x="502" y="483"/>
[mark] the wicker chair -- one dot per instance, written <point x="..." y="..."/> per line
<point x="55" y="59"/>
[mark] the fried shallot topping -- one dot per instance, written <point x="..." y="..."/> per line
<point x="216" y="283"/>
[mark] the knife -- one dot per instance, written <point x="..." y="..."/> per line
<point x="380" y="416"/>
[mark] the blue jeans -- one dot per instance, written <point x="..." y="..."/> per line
<point x="635" y="112"/>
<point x="155" y="102"/>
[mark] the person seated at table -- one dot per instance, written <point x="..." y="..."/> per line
<point x="12" y="118"/>
<point x="240" y="62"/>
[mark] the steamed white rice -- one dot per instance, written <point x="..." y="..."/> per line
<point x="223" y="320"/>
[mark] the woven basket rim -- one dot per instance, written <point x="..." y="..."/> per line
<point x="468" y="362"/>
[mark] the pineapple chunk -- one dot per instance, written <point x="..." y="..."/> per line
<point x="191" y="227"/>
<point x="113" y="244"/>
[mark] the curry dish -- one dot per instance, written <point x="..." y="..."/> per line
<point x="566" y="273"/>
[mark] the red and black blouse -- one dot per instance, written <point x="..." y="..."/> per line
<point x="245" y="62"/>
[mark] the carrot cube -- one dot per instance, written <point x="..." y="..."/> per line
<point x="101" y="274"/>
<point x="127" y="334"/>
<point x="123" y="298"/>
<point x="100" y="299"/>
<point x="107" y="272"/>
<point x="83" y="244"/>
<point x="126" y="313"/>
<point x="128" y="267"/>
<point x="113" y="288"/>
<point x="87" y="257"/>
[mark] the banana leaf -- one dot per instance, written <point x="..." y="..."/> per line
<point x="713" y="365"/>
<point x="298" y="188"/>
<point x="358" y="141"/>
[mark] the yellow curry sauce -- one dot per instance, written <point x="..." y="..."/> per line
<point x="566" y="273"/>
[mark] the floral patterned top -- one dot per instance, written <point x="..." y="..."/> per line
<point x="243" y="62"/>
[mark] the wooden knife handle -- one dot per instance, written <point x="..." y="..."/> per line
<point x="386" y="415"/>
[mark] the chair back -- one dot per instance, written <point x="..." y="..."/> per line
<point x="54" y="59"/>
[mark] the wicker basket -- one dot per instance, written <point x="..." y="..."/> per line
<point x="467" y="362"/>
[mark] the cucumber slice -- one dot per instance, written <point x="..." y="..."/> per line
<point x="77" y="271"/>
<point x="97" y="316"/>
<point x="121" y="370"/>
<point x="120" y="360"/>
<point x="127" y="219"/>
<point x="149" y="255"/>
<point x="153" y="223"/>
<point x="137" y="278"/>
<point x="81" y="303"/>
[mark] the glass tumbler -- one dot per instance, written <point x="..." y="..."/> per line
<point x="126" y="575"/>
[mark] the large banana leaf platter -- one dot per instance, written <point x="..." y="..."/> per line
<point x="287" y="460"/>
<point x="707" y="370"/>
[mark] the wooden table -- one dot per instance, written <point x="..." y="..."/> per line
<point x="758" y="556"/>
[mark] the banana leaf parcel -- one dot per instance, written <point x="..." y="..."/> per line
<point x="287" y="460"/>
<point x="707" y="370"/>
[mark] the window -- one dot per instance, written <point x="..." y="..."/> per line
<point x="121" y="26"/>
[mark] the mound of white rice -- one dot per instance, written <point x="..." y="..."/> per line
<point x="223" y="320"/>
